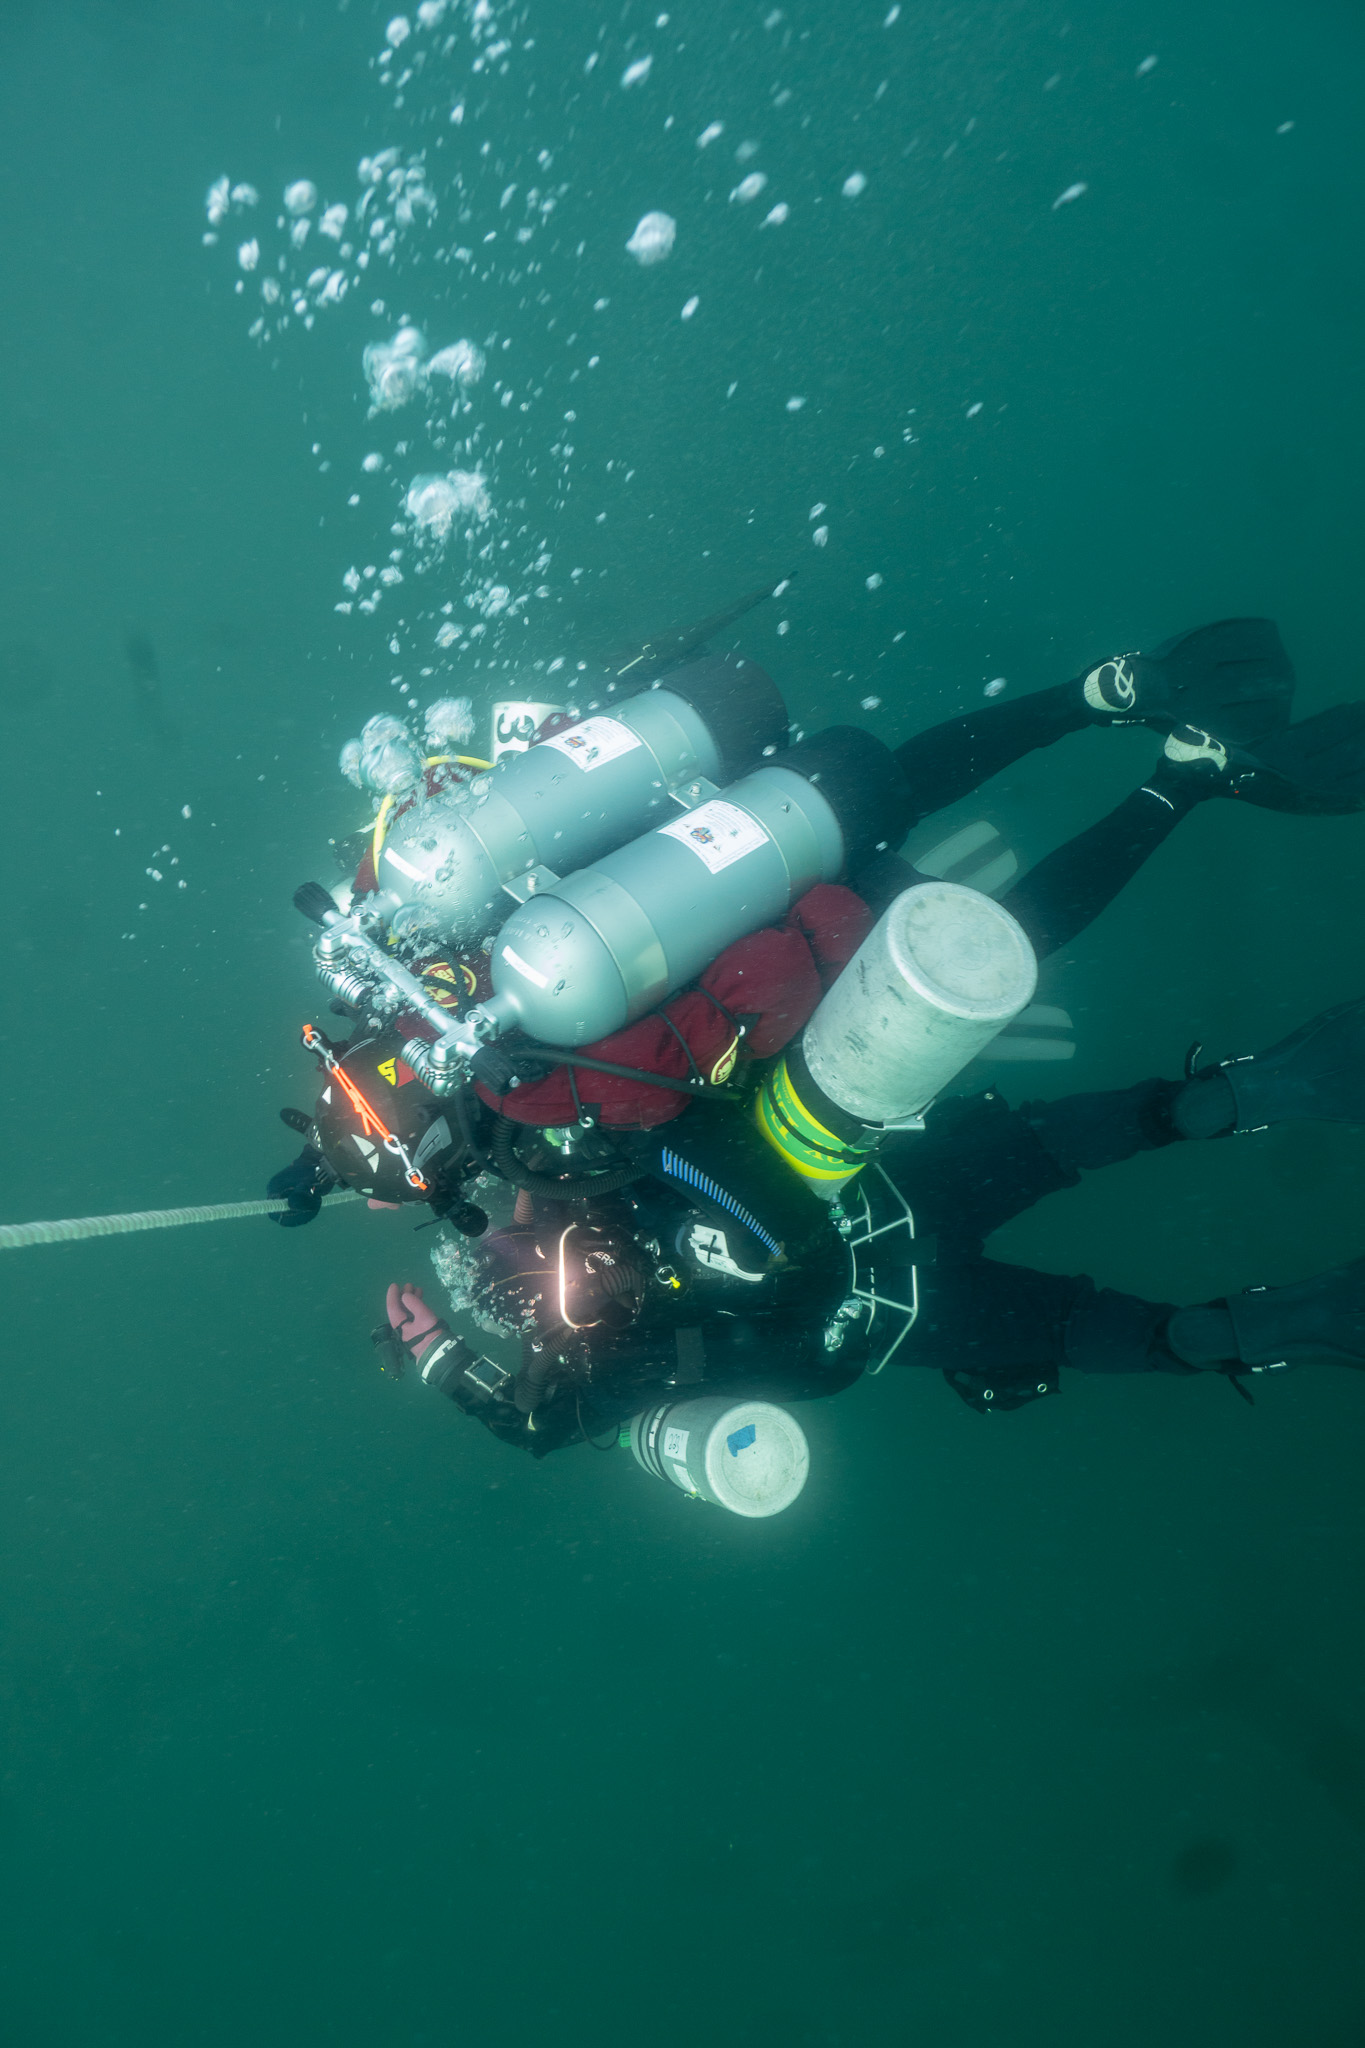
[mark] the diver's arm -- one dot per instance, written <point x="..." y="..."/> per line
<point x="478" y="1386"/>
<point x="444" y="1360"/>
<point x="483" y="1389"/>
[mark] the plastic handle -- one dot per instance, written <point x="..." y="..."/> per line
<point x="315" y="902"/>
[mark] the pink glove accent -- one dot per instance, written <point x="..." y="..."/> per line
<point x="372" y="1204"/>
<point x="415" y="1323"/>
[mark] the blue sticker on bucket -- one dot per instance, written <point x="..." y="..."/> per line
<point x="741" y="1439"/>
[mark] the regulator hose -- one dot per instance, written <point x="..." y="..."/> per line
<point x="532" y="1385"/>
<point x="577" y="1190"/>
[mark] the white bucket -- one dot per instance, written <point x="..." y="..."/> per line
<point x="939" y="974"/>
<point x="748" y="1456"/>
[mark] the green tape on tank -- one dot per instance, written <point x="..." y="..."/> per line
<point x="809" y="1147"/>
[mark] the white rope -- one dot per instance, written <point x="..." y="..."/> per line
<point x="15" y="1236"/>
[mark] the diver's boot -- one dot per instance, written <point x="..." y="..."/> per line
<point x="1233" y="676"/>
<point x="1315" y="1075"/>
<point x="1193" y="766"/>
<point x="1316" y="768"/>
<point x="1315" y="1321"/>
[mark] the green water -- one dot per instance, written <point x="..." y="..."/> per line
<point x="323" y="1717"/>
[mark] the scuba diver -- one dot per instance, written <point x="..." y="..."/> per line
<point x="652" y="1295"/>
<point x="742" y="1207"/>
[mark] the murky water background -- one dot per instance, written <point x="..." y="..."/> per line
<point x="323" y="1718"/>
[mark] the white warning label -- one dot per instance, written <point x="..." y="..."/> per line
<point x="675" y="1443"/>
<point x="595" y="741"/>
<point x="718" y="833"/>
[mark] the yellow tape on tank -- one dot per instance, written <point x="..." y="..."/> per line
<point x="809" y="1147"/>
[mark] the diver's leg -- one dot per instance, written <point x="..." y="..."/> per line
<point x="975" y="1164"/>
<point x="1233" y="678"/>
<point x="1068" y="889"/>
<point x="1001" y="1334"/>
<point x="951" y="760"/>
<point x="1316" y="768"/>
<point x="978" y="1162"/>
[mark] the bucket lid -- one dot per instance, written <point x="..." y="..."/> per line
<point x="962" y="952"/>
<point x="757" y="1459"/>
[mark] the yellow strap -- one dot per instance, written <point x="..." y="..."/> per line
<point x="381" y="823"/>
<point x="381" y="826"/>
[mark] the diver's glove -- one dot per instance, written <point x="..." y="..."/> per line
<point x="303" y="1183"/>
<point x="417" y="1325"/>
<point x="1233" y="678"/>
<point x="432" y="1345"/>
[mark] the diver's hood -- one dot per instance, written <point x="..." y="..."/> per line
<point x="560" y="1278"/>
<point x="380" y="1130"/>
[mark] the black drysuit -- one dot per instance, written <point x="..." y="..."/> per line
<point x="999" y="1333"/>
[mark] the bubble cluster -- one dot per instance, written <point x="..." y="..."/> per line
<point x="463" y="363"/>
<point x="750" y="187"/>
<point x="468" y="227"/>
<point x="395" y="198"/>
<point x="434" y="503"/>
<point x="653" y="239"/>
<point x="386" y="759"/>
<point x="393" y="370"/>
<point x="449" y="722"/>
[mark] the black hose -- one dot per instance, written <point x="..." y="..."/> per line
<point x="550" y="1057"/>
<point x="472" y="1148"/>
<point x="532" y="1385"/>
<point x="577" y="1190"/>
<point x="677" y="1085"/>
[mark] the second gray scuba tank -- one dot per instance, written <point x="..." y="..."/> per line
<point x="457" y="860"/>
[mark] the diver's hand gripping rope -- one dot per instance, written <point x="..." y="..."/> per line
<point x="17" y="1236"/>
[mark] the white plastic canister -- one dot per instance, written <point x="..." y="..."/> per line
<point x="940" y="973"/>
<point x="748" y="1456"/>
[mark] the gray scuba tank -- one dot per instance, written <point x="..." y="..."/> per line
<point x="455" y="863"/>
<point x="608" y="943"/>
